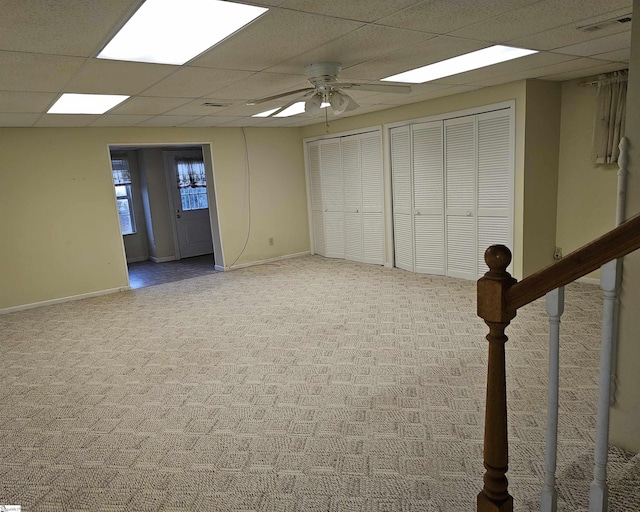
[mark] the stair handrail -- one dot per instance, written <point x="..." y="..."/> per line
<point x="499" y="298"/>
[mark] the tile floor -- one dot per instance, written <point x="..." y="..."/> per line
<point x="148" y="273"/>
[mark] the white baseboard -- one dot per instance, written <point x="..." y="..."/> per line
<point x="588" y="280"/>
<point x="263" y="262"/>
<point x="219" y="267"/>
<point x="137" y="260"/>
<point x="164" y="259"/>
<point x="60" y="300"/>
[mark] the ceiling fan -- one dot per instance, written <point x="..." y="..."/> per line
<point x="327" y="91"/>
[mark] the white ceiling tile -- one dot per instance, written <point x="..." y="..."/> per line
<point x="618" y="55"/>
<point x="569" y="34"/>
<point x="190" y="82"/>
<point x="210" y="121"/>
<point x="26" y="101"/>
<point x="547" y="14"/>
<point x="168" y="120"/>
<point x="443" y="17"/>
<point x="572" y="75"/>
<point x="267" y="3"/>
<point x="32" y="72"/>
<point x="433" y="50"/>
<point x="355" y="47"/>
<point x="140" y="105"/>
<point x="117" y="77"/>
<point x="361" y="10"/>
<point x="117" y="120"/>
<point x="17" y="119"/>
<point x="264" y="84"/>
<point x="72" y="27"/>
<point x="597" y="46"/>
<point x="197" y="108"/>
<point x="66" y="120"/>
<point x="273" y="38"/>
<point x="246" y="121"/>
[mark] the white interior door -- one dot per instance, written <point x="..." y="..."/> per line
<point x="402" y="178"/>
<point x="191" y="205"/>
<point x="460" y="172"/>
<point x="428" y="197"/>
<point x="352" y="198"/>
<point x="315" y="178"/>
<point x="332" y="197"/>
<point x="495" y="185"/>
<point x="372" y="197"/>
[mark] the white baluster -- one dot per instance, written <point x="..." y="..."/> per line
<point x="555" y="308"/>
<point x="598" y="491"/>
<point x="623" y="161"/>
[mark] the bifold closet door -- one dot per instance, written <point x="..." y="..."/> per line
<point x="460" y="173"/>
<point x="402" y="180"/>
<point x="352" y="198"/>
<point x="495" y="186"/>
<point x="332" y="197"/>
<point x="428" y="197"/>
<point x="315" y="179"/>
<point x="372" y="179"/>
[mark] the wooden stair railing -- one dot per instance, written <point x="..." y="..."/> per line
<point x="499" y="297"/>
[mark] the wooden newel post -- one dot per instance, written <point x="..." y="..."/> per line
<point x="492" y="289"/>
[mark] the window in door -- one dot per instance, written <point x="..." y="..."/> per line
<point x="192" y="183"/>
<point x="122" y="183"/>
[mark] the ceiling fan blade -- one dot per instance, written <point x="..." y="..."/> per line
<point x="388" y="88"/>
<point x="296" y="100"/>
<point x="278" y="96"/>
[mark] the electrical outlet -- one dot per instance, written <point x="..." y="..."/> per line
<point x="271" y="241"/>
<point x="557" y="255"/>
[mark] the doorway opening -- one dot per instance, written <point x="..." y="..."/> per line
<point x="167" y="211"/>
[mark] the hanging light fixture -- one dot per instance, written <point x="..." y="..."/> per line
<point x="312" y="105"/>
<point x="339" y="102"/>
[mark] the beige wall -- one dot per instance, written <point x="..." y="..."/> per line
<point x="586" y="191"/>
<point x="135" y="244"/>
<point x="625" y="415"/>
<point x="61" y="236"/>
<point x="542" y="134"/>
<point x="535" y="170"/>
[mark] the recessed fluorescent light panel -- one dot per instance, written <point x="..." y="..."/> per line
<point x="266" y="113"/>
<point x="86" y="103"/>
<point x="460" y="64"/>
<point x="293" y="110"/>
<point x="174" y="32"/>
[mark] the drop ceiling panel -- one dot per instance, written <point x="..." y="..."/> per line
<point x="260" y="85"/>
<point x="197" y="108"/>
<point x="569" y="34"/>
<point x="72" y="27"/>
<point x="618" y="56"/>
<point x="117" y="77"/>
<point x="355" y="47"/>
<point x="115" y="120"/>
<point x="190" y="82"/>
<point x="547" y="14"/>
<point x="277" y="36"/>
<point x="26" y="101"/>
<point x="433" y="50"/>
<point x="597" y="46"/>
<point x="17" y="119"/>
<point x="33" y="72"/>
<point x="66" y="120"/>
<point x="251" y="121"/>
<point x="572" y="75"/>
<point x="443" y="17"/>
<point x="168" y="120"/>
<point x="210" y="121"/>
<point x="148" y="105"/>
<point x="361" y="10"/>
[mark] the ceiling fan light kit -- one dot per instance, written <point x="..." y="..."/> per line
<point x="325" y="91"/>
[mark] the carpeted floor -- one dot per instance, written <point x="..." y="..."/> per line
<point x="306" y="385"/>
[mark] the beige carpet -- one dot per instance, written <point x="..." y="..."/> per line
<point x="307" y="385"/>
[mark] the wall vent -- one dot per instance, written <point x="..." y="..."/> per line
<point x="593" y="27"/>
<point x="214" y="104"/>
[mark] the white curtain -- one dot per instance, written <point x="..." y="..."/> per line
<point x="610" y="116"/>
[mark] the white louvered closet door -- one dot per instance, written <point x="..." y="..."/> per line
<point x="460" y="172"/>
<point x="495" y="186"/>
<point x="428" y="197"/>
<point x="332" y="197"/>
<point x="402" y="179"/>
<point x="317" y="222"/>
<point x="352" y="198"/>
<point x="372" y="197"/>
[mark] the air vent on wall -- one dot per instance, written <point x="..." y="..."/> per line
<point x="216" y="104"/>
<point x="593" y="27"/>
